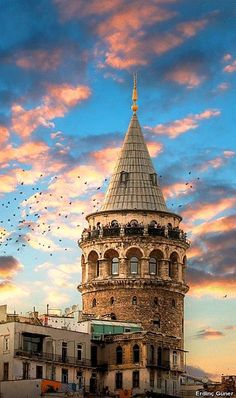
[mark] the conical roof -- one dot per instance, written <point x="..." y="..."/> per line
<point x="134" y="183"/>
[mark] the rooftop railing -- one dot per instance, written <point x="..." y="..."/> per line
<point x="55" y="358"/>
<point x="138" y="230"/>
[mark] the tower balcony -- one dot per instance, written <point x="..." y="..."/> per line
<point x="127" y="230"/>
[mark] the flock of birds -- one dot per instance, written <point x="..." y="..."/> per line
<point x="24" y="231"/>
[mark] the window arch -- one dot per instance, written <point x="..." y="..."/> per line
<point x="115" y="266"/>
<point x="119" y="355"/>
<point x="155" y="301"/>
<point x="112" y="300"/>
<point x="94" y="302"/>
<point x="114" y="224"/>
<point x="136" y="353"/>
<point x="134" y="265"/>
<point x="134" y="300"/>
<point x="153" y="266"/>
<point x="173" y="303"/>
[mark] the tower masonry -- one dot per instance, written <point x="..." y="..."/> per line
<point x="134" y="250"/>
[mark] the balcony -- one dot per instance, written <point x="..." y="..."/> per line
<point x="54" y="358"/>
<point x="138" y="230"/>
<point x="164" y="365"/>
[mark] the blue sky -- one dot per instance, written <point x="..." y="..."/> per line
<point x="65" y="96"/>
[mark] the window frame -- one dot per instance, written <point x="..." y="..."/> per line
<point x="114" y="265"/>
<point x="134" y="261"/>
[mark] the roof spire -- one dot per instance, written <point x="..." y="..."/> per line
<point x="134" y="107"/>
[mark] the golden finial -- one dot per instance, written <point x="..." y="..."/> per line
<point x="134" y="107"/>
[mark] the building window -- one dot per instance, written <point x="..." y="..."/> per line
<point x="112" y="300"/>
<point x="79" y="352"/>
<point x="6" y="343"/>
<point x="64" y="375"/>
<point x="159" y="356"/>
<point x="39" y="372"/>
<point x="94" y="303"/>
<point x="32" y="343"/>
<point x="134" y="300"/>
<point x="171" y="270"/>
<point x="64" y="351"/>
<point x="79" y="377"/>
<point x="157" y="322"/>
<point x="136" y="353"/>
<point x="26" y="366"/>
<point x="136" y="379"/>
<point x="124" y="176"/>
<point x="152" y="378"/>
<point x="115" y="266"/>
<point x="173" y="303"/>
<point x="134" y="265"/>
<point x="5" y="370"/>
<point x="175" y="358"/>
<point x="151" y="354"/>
<point x="153" y="266"/>
<point x="153" y="178"/>
<point x="97" y="268"/>
<point x="119" y="355"/>
<point x="119" y="380"/>
<point x="155" y="301"/>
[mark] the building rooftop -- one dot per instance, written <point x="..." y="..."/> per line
<point x="134" y="183"/>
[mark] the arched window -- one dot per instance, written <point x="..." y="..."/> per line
<point x="155" y="301"/>
<point x="94" y="303"/>
<point x="119" y="355"/>
<point x="124" y="176"/>
<point x="152" y="266"/>
<point x="114" y="224"/>
<point x="112" y="300"/>
<point x="136" y="353"/>
<point x="134" y="223"/>
<point x="134" y="300"/>
<point x="173" y="303"/>
<point x="115" y="266"/>
<point x="134" y="265"/>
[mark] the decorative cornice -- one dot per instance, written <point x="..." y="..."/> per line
<point x="100" y="285"/>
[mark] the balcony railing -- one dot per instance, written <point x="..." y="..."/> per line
<point x="55" y="358"/>
<point x="139" y="230"/>
<point x="165" y="365"/>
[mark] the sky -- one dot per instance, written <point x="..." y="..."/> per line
<point x="65" y="95"/>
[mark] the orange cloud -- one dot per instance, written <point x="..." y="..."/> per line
<point x="55" y="104"/>
<point x="181" y="126"/>
<point x="154" y="148"/>
<point x="190" y="28"/>
<point x="206" y="211"/>
<point x="209" y="334"/>
<point x="4" y="134"/>
<point x="177" y="189"/>
<point x="185" y="75"/>
<point x="39" y="59"/>
<point x="216" y="287"/>
<point x="9" y="266"/>
<point x="222" y="224"/>
<point x="217" y="162"/>
<point x="230" y="68"/>
<point x="68" y="95"/>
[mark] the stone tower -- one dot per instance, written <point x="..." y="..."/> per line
<point x="134" y="252"/>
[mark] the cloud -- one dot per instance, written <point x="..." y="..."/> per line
<point x="9" y="266"/>
<point x="209" y="334"/>
<point x="177" y="189"/>
<point x="206" y="211"/>
<point x="200" y="373"/>
<point x="39" y="59"/>
<point x="186" y="75"/>
<point x="181" y="126"/>
<point x="55" y="103"/>
<point x="4" y="135"/>
<point x="230" y="68"/>
<point x="218" y="161"/>
<point x="10" y="292"/>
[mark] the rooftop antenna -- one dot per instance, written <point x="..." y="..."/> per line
<point x="134" y="106"/>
